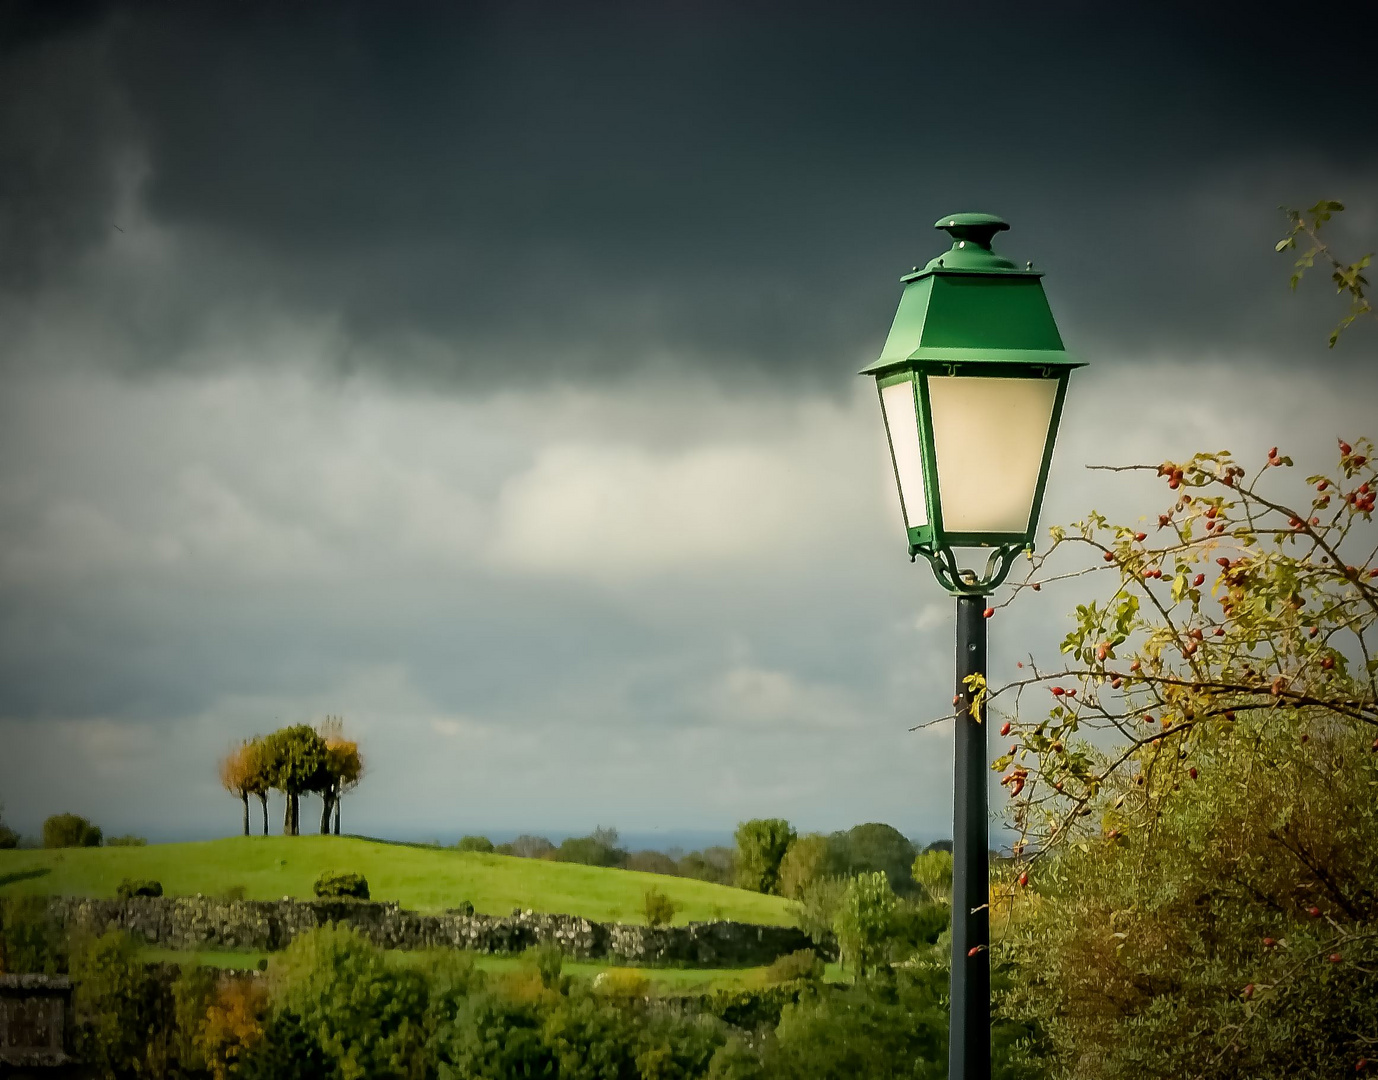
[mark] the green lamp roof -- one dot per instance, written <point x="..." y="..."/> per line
<point x="972" y="305"/>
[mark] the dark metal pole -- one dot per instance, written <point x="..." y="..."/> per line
<point x="968" y="1055"/>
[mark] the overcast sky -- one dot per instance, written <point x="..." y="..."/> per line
<point x="486" y="375"/>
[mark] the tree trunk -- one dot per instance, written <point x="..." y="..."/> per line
<point x="245" y="796"/>
<point x="327" y="805"/>
<point x="337" y="815"/>
<point x="289" y="806"/>
<point x="263" y="799"/>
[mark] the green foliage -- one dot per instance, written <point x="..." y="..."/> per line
<point x="31" y="940"/>
<point x="751" y="1008"/>
<point x="70" y="830"/>
<point x="548" y="961"/>
<point x="8" y="837"/>
<point x="817" y="909"/>
<point x="932" y="871"/>
<point x="366" y="1017"/>
<point x="294" y="759"/>
<point x="1348" y="278"/>
<point x="804" y="965"/>
<point x="598" y="849"/>
<point x="805" y="862"/>
<point x="1163" y="950"/>
<point x="715" y="864"/>
<point x="761" y="846"/>
<point x="123" y="1007"/>
<point x="130" y="887"/>
<point x="126" y="840"/>
<point x="622" y="982"/>
<point x="658" y="908"/>
<point x="864" y="921"/>
<point x="475" y="843"/>
<point x="288" y="1051"/>
<point x="894" y="1027"/>
<point x="873" y="848"/>
<point x="341" y="884"/>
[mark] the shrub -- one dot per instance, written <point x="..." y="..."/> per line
<point x="864" y="921"/>
<point x="658" y="908"/>
<point x="548" y="961"/>
<point x="286" y="1051"/>
<point x="622" y="982"/>
<point x="341" y="884"/>
<point x="233" y="1026"/>
<point x="31" y="940"/>
<point x="896" y="1028"/>
<point x="138" y="887"/>
<point x="802" y="965"/>
<point x="127" y="840"/>
<point x="475" y="843"/>
<point x="915" y="926"/>
<point x="365" y="1016"/>
<point x="817" y="909"/>
<point x="8" y="837"/>
<point x="805" y="862"/>
<point x="234" y="892"/>
<point x="464" y="907"/>
<point x="123" y="1007"/>
<point x="933" y="870"/>
<point x="70" y="830"/>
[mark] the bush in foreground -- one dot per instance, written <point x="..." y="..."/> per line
<point x="341" y="885"/>
<point x="130" y="887"/>
<point x="658" y="908"/>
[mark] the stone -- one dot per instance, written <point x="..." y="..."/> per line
<point x="186" y="922"/>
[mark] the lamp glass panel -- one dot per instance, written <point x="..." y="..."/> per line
<point x="902" y="422"/>
<point x="989" y="435"/>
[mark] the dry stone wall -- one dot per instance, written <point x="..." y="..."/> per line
<point x="189" y="922"/>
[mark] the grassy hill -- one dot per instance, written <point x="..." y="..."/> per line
<point x="420" y="878"/>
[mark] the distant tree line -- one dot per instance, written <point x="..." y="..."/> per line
<point x="297" y="760"/>
<point x="769" y="857"/>
<point x="602" y="847"/>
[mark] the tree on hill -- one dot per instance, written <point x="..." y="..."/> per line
<point x="761" y="845"/>
<point x="257" y="780"/>
<point x="344" y="768"/>
<point x="294" y="763"/>
<point x="8" y="837"/>
<point x="805" y="862"/>
<point x="70" y="830"/>
<point x="597" y="849"/>
<point x="867" y="849"/>
<point x="234" y="771"/>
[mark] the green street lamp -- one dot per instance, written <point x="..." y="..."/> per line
<point x="971" y="381"/>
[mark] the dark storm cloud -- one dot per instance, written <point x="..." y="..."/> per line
<point x="588" y="189"/>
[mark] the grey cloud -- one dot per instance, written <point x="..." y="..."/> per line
<point x="479" y="194"/>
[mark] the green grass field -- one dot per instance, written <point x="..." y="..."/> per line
<point x="419" y="878"/>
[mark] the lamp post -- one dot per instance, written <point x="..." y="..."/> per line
<point x="971" y="383"/>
